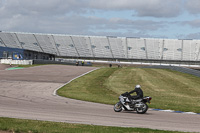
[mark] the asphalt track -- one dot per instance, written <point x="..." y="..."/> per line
<point x="28" y="94"/>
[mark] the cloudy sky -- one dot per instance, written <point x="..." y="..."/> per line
<point x="123" y="18"/>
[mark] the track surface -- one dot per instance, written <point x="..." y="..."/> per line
<point x="3" y="66"/>
<point x="27" y="94"/>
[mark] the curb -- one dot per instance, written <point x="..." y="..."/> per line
<point x="14" y="68"/>
<point x="172" y="111"/>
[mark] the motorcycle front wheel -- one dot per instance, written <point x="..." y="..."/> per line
<point x="143" y="109"/>
<point x="118" y="107"/>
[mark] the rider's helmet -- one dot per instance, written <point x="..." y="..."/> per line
<point x="137" y="86"/>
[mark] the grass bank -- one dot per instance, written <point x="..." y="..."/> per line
<point x="169" y="89"/>
<point x="91" y="87"/>
<point x="33" y="126"/>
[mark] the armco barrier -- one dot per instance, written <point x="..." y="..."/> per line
<point x="180" y="69"/>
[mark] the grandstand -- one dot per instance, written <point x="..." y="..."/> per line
<point x="50" y="46"/>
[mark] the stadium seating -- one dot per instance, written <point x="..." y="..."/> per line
<point x="116" y="47"/>
<point x="82" y="46"/>
<point x="136" y="48"/>
<point x="65" y="45"/>
<point x="2" y="44"/>
<point x="45" y="43"/>
<point x="10" y="40"/>
<point x="168" y="49"/>
<point x="100" y="47"/>
<point x="104" y="46"/>
<point x="29" y="42"/>
<point x="177" y="49"/>
<point x="153" y="48"/>
<point x="197" y="51"/>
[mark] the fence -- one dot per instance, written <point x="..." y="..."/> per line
<point x="19" y="62"/>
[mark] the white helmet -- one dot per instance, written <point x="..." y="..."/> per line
<point x="137" y="86"/>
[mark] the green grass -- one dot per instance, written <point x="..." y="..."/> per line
<point x="169" y="89"/>
<point x="91" y="87"/>
<point x="33" y="126"/>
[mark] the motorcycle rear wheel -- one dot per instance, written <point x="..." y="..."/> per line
<point x="118" y="107"/>
<point x="143" y="109"/>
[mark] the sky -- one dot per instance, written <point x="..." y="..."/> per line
<point x="172" y="19"/>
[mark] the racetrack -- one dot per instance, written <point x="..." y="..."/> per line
<point x="4" y="66"/>
<point x="28" y="94"/>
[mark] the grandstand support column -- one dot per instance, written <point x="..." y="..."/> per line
<point x="55" y="45"/>
<point x="38" y="43"/>
<point x="110" y="47"/>
<point x="182" y="50"/>
<point x="91" y="47"/>
<point x="145" y="44"/>
<point x="2" y="42"/>
<point x="75" y="46"/>
<point x="18" y="40"/>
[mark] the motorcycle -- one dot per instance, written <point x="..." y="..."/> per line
<point x="138" y="105"/>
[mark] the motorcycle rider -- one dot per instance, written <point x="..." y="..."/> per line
<point x="138" y="91"/>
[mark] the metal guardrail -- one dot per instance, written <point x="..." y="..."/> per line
<point x="179" y="69"/>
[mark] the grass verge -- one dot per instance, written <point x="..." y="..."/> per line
<point x="25" y="66"/>
<point x="91" y="87"/>
<point x="33" y="126"/>
<point x="169" y="89"/>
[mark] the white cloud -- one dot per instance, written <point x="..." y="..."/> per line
<point x="193" y="6"/>
<point x="41" y="8"/>
<point x="153" y="8"/>
<point x="193" y="23"/>
<point x="54" y="17"/>
<point x="74" y="16"/>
